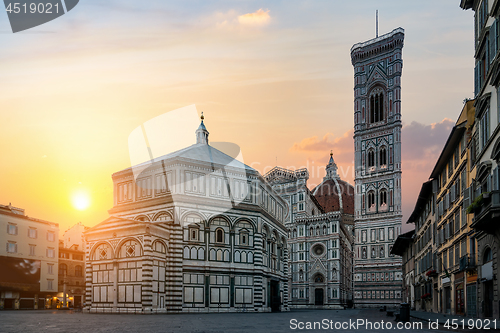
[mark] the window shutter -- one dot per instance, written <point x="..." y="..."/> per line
<point x="497" y="34"/>
<point x="495" y="179"/>
<point x="435" y="186"/>
<point x="467" y="197"/>
<point x="492" y="39"/>
<point x="476" y="79"/>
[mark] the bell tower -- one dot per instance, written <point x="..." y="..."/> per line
<point x="378" y="67"/>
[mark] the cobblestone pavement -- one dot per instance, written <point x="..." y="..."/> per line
<point x="62" y="321"/>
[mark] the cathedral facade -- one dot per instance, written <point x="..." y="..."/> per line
<point x="193" y="231"/>
<point x="321" y="241"/>
<point x="378" y="66"/>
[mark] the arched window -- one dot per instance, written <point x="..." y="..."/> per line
<point x="383" y="157"/>
<point x="130" y="249"/>
<point x="372" y="109"/>
<point x="78" y="270"/>
<point x="376" y="107"/>
<point x="159" y="247"/>
<point x="63" y="269"/>
<point x="383" y="198"/>
<point x="319" y="278"/>
<point x="102" y="252"/>
<point x="371" y="200"/>
<point x="487" y="256"/>
<point x="219" y="235"/>
<point x="371" y="158"/>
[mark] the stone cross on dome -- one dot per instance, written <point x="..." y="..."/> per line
<point x="202" y="133"/>
<point x="331" y="168"/>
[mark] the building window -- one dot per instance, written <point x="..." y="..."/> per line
<point x="11" y="247"/>
<point x="383" y="199"/>
<point x="301" y="196"/>
<point x="485" y="128"/>
<point x="376" y="108"/>
<point x="51" y="236"/>
<point x="383" y="157"/>
<point x="371" y="158"/>
<point x="50" y="284"/>
<point x="301" y="207"/>
<point x="32" y="249"/>
<point x="219" y="236"/>
<point x="11" y="229"/>
<point x="63" y="269"/>
<point x="50" y="269"/>
<point x="193" y="234"/>
<point x="381" y="234"/>
<point x="78" y="270"/>
<point x="244" y="238"/>
<point x="487" y="256"/>
<point x="32" y="233"/>
<point x="50" y="253"/>
<point x="371" y="201"/>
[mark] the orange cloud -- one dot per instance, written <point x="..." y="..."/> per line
<point x="260" y="17"/>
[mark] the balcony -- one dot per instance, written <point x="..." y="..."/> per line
<point x="467" y="262"/>
<point x="486" y="212"/>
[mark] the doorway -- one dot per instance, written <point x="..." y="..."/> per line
<point x="318" y="296"/>
<point x="447" y="300"/>
<point x="274" y="291"/>
<point x="488" y="299"/>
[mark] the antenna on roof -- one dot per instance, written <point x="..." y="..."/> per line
<point x="376" y="23"/>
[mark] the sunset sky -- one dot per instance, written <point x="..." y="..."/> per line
<point x="274" y="77"/>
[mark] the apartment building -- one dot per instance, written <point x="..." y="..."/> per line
<point x="454" y="239"/>
<point x="425" y="279"/>
<point x="28" y="257"/>
<point x="484" y="204"/>
<point x="404" y="246"/>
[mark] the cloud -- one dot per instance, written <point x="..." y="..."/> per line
<point x="260" y="17"/>
<point x="230" y="20"/>
<point x="327" y="142"/>
<point x="422" y="144"/>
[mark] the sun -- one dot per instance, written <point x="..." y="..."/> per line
<point x="80" y="200"/>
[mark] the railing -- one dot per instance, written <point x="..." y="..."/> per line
<point x="490" y="203"/>
<point x="467" y="262"/>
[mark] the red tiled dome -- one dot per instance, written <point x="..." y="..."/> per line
<point x="327" y="194"/>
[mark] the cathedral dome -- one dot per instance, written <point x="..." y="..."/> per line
<point x="334" y="194"/>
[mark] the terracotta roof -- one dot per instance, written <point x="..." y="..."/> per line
<point x="327" y="194"/>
